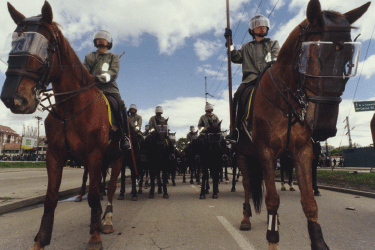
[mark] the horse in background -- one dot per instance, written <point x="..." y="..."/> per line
<point x="193" y="159"/>
<point x="286" y="166"/>
<point x="210" y="145"/>
<point x="297" y="99"/>
<point x="372" y="126"/>
<point x="78" y="122"/>
<point x="160" y="156"/>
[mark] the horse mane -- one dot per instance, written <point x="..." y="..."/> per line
<point x="67" y="53"/>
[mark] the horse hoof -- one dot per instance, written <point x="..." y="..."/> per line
<point x="121" y="197"/>
<point x="233" y="190"/>
<point x="78" y="199"/>
<point x="283" y="189"/>
<point x="317" y="193"/>
<point x="94" y="246"/>
<point x="140" y="192"/>
<point x="273" y="246"/>
<point x="245" y="226"/>
<point x="160" y="192"/>
<point x="134" y="198"/>
<point x="165" y="196"/>
<point x="215" y="196"/>
<point x="207" y="192"/>
<point x="292" y="189"/>
<point x="174" y="184"/>
<point x="184" y="181"/>
<point x="107" y="229"/>
<point x="151" y="196"/>
<point x="202" y="197"/>
<point x="191" y="182"/>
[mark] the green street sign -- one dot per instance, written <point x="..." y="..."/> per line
<point x="364" y="106"/>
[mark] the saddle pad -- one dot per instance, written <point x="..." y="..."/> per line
<point x="111" y="118"/>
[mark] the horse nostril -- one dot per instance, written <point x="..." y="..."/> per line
<point x="17" y="102"/>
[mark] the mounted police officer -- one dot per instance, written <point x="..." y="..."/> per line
<point x="209" y="117"/>
<point x="105" y="66"/>
<point x="254" y="57"/>
<point x="158" y="116"/>
<point x="189" y="135"/>
<point x="135" y="119"/>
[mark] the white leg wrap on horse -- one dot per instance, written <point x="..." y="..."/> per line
<point x="108" y="219"/>
<point x="109" y="204"/>
<point x="272" y="223"/>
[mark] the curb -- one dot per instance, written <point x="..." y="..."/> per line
<point x="5" y="208"/>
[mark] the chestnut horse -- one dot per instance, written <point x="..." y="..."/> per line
<point x="297" y="99"/>
<point x="78" y="124"/>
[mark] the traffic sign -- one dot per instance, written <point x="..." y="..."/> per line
<point x="364" y="106"/>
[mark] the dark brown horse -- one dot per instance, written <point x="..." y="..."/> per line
<point x="372" y="125"/>
<point x="78" y="125"/>
<point x="297" y="99"/>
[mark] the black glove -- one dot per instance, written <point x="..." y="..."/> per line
<point x="97" y="80"/>
<point x="228" y="33"/>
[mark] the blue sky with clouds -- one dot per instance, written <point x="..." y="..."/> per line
<point x="171" y="45"/>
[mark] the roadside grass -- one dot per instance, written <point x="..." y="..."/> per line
<point x="344" y="179"/>
<point x="22" y="164"/>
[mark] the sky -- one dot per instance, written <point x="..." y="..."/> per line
<point x="172" y="45"/>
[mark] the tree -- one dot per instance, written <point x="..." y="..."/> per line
<point x="181" y="143"/>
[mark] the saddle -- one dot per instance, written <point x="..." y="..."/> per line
<point x="245" y="104"/>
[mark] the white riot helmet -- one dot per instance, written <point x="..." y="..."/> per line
<point x="105" y="35"/>
<point x="257" y="21"/>
<point x="208" y="106"/>
<point x="133" y="106"/>
<point x="158" y="109"/>
<point x="191" y="128"/>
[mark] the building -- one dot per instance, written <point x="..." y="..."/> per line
<point x="10" y="141"/>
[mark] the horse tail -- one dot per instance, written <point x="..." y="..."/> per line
<point x="256" y="182"/>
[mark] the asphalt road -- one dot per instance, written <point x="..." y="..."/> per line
<point x="185" y="222"/>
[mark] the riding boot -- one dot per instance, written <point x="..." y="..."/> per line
<point x="233" y="136"/>
<point x="124" y="142"/>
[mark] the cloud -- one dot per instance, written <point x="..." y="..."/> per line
<point x="205" y="48"/>
<point x="367" y="67"/>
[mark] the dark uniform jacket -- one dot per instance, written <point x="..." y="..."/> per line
<point x="105" y="66"/>
<point x="254" y="57"/>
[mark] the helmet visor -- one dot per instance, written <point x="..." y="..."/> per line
<point x="327" y="59"/>
<point x="29" y="43"/>
<point x="258" y="22"/>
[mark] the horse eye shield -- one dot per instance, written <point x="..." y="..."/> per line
<point x="31" y="44"/>
<point x="328" y="59"/>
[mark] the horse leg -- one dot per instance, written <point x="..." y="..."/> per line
<point x="134" y="184"/>
<point x="160" y="191"/>
<point x="108" y="214"/>
<point x="282" y="170"/>
<point x="152" y="184"/>
<point x="242" y="165"/>
<point x="215" y="183"/>
<point x="54" y="172"/>
<point x="203" y="186"/>
<point x="191" y="169"/>
<point x="309" y="206"/>
<point x="94" y="163"/>
<point x="122" y="189"/>
<point x="290" y="173"/>
<point x="102" y="185"/>
<point x="165" y="179"/>
<point x="272" y="199"/>
<point x="82" y="192"/>
<point x="140" y="184"/>
<point x="226" y="173"/>
<point x="208" y="181"/>
<point x="234" y="170"/>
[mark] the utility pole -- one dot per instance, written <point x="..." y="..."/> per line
<point x="229" y="43"/>
<point x="348" y="133"/>
<point x="37" y="142"/>
<point x="205" y="87"/>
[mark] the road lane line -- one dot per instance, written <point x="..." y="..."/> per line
<point x="195" y="187"/>
<point x="241" y="241"/>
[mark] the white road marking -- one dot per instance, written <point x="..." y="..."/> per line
<point x="241" y="241"/>
<point x="195" y="187"/>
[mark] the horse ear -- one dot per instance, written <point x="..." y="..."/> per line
<point x="16" y="16"/>
<point x="47" y="12"/>
<point x="355" y="14"/>
<point x="166" y="121"/>
<point x="314" y="13"/>
<point x="219" y="124"/>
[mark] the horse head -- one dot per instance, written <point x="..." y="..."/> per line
<point x="35" y="60"/>
<point x="213" y="132"/>
<point x="324" y="57"/>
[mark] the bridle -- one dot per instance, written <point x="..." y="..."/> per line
<point x="298" y="102"/>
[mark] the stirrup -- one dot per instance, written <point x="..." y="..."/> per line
<point x="125" y="143"/>
<point x="232" y="137"/>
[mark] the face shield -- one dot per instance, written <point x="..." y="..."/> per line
<point x="29" y="44"/>
<point x="162" y="128"/>
<point x="327" y="59"/>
